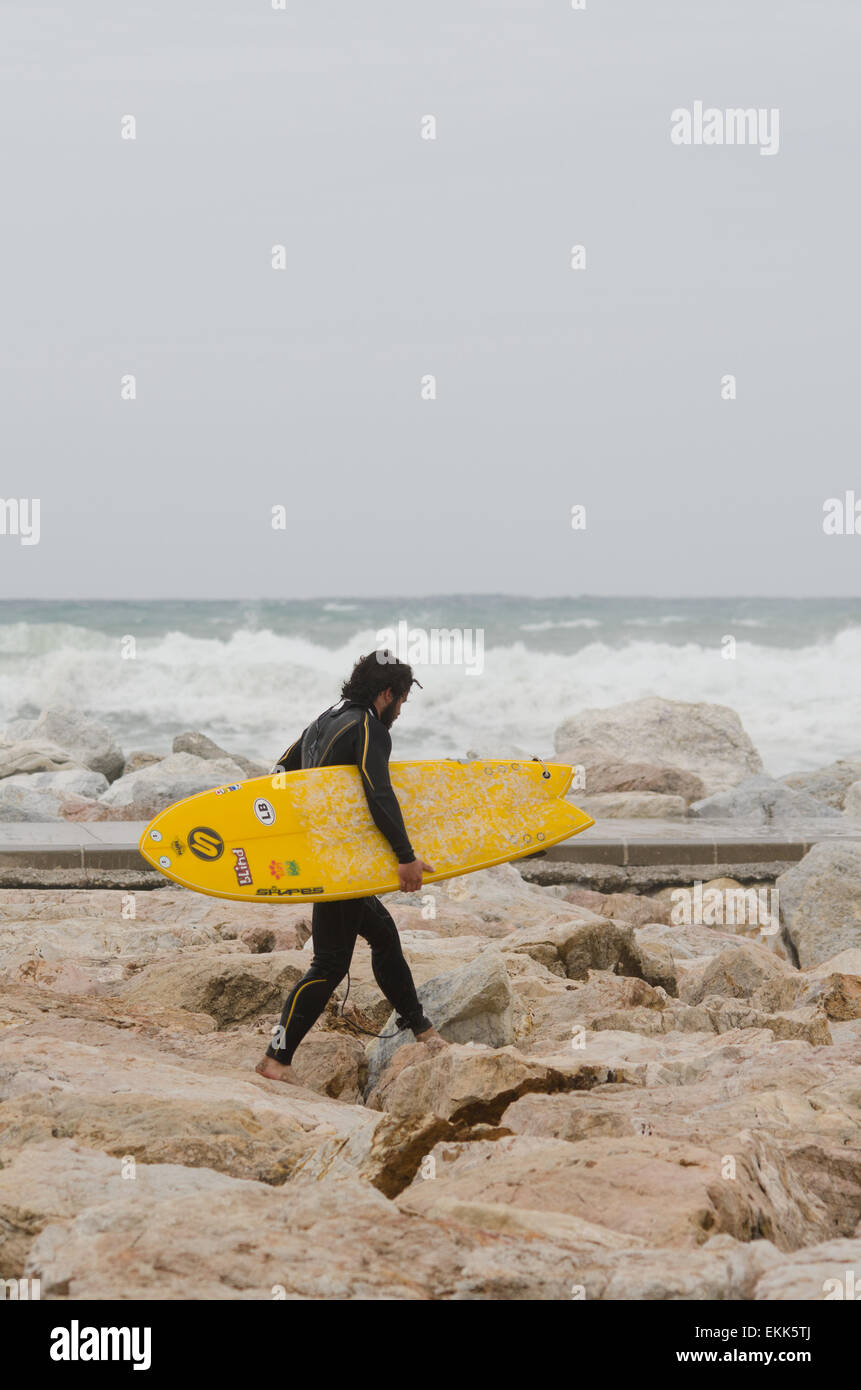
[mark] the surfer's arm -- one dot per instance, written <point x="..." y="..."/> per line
<point x="291" y="761"/>
<point x="372" y="756"/>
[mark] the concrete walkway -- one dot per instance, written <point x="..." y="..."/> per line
<point x="96" y="851"/>
<point x="633" y="842"/>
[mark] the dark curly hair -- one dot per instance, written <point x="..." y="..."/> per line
<point x="376" y="672"/>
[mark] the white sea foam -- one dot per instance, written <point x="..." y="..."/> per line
<point x="256" y="690"/>
<point x="549" y="625"/>
<point x="662" y="621"/>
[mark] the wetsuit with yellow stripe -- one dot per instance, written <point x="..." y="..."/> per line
<point x="351" y="733"/>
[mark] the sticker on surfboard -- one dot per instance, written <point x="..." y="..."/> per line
<point x="264" y="811"/>
<point x="205" y="843"/>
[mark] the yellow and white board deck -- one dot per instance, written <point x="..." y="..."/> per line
<point x="300" y="836"/>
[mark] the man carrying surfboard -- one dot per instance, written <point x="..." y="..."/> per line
<point x="356" y="731"/>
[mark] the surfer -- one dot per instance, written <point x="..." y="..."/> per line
<point x="356" y="731"/>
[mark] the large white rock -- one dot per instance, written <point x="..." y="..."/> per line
<point x="204" y="747"/>
<point x="74" y="1224"/>
<point x="26" y="804"/>
<point x="829" y="783"/>
<point x="74" y="782"/>
<point x="86" y="740"/>
<point x="819" y="1273"/>
<point x="34" y="755"/>
<point x="19" y="729"/>
<point x="666" y="1192"/>
<point x="180" y="775"/>
<point x="471" y="1004"/>
<point x="702" y="738"/>
<point x="820" y="901"/>
<point x="762" y="800"/>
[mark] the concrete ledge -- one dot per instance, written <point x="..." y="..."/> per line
<point x="128" y="880"/>
<point x="99" y="854"/>
<point x="618" y="853"/>
<point x="643" y="878"/>
<point x="709" y="843"/>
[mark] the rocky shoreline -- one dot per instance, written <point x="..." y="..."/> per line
<point x="638" y="1102"/>
<point x="644" y="759"/>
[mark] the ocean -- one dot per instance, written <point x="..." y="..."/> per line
<point x="251" y="674"/>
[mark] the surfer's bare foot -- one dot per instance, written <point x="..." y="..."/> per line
<point x="433" y="1039"/>
<point x="277" y="1071"/>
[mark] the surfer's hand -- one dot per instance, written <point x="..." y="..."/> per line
<point x="410" y="875"/>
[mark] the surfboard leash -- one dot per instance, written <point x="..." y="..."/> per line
<point x="350" y="1024"/>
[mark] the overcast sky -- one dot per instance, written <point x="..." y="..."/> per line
<point x="406" y="257"/>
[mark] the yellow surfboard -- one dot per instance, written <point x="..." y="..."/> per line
<point x="308" y="836"/>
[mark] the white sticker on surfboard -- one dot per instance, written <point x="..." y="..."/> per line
<point x="264" y="811"/>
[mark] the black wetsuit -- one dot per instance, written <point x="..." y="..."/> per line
<point x="351" y="733"/>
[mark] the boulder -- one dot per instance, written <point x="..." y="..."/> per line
<point x="829" y="1271"/>
<point x="135" y="761"/>
<point x="643" y="777"/>
<point x="34" y="755"/>
<point x="852" y="804"/>
<point x="621" y="1002"/>
<point x="231" y="989"/>
<point x="86" y="740"/>
<point x="610" y="946"/>
<point x="333" y="1064"/>
<point x="103" y="948"/>
<point x="604" y="993"/>
<point x="70" y="1222"/>
<point x="574" y="948"/>
<point x="779" y="1088"/>
<point x="624" y="907"/>
<point x="16" y="730"/>
<point x="820" y="902"/>
<point x="487" y="903"/>
<point x="466" y="1085"/>
<point x="667" y="1192"/>
<point x="808" y="1024"/>
<point x="567" y="1116"/>
<point x="631" y="805"/>
<point x="471" y="1004"/>
<point x="829" y="784"/>
<point x="158" y="1109"/>
<point x="830" y="1173"/>
<point x="497" y="1219"/>
<point x="737" y="971"/>
<point x="19" y="803"/>
<point x="838" y="995"/>
<point x="762" y="800"/>
<point x="174" y="1094"/>
<point x="80" y="782"/>
<point x="203" y="747"/>
<point x="846" y="962"/>
<point x="172" y="779"/>
<point x="705" y="739"/>
<point x="82" y="808"/>
<point x="264" y="940"/>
